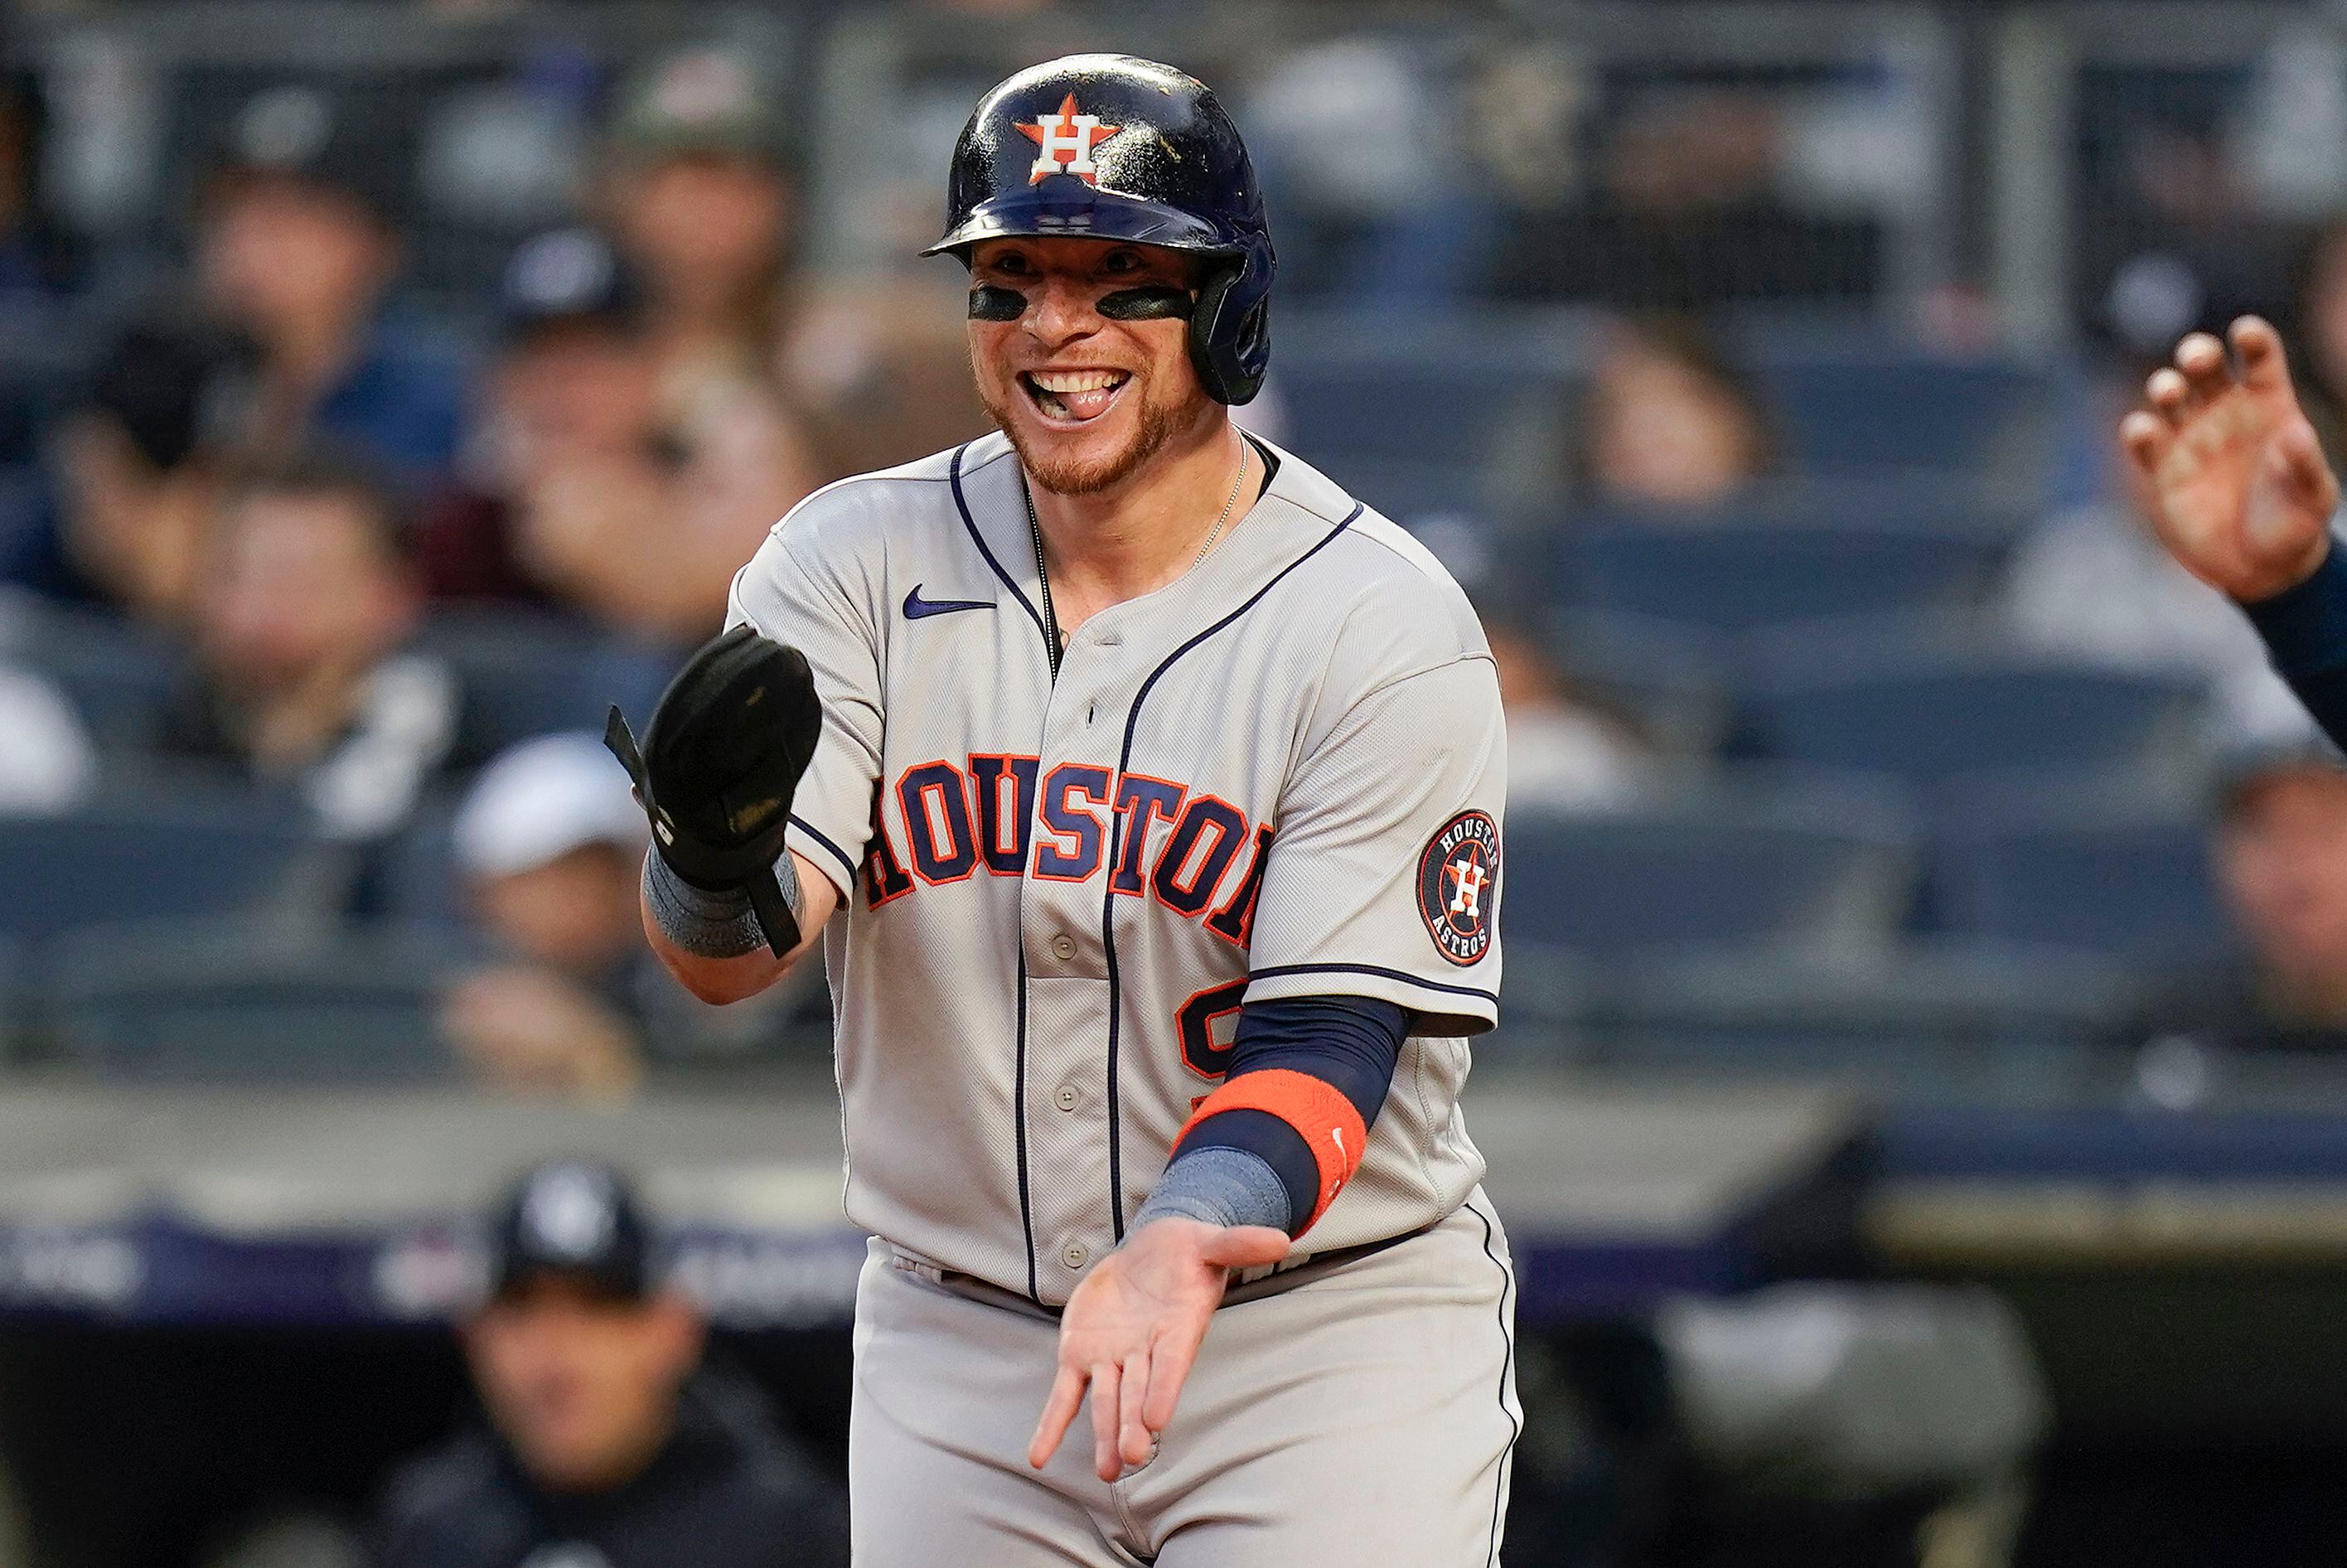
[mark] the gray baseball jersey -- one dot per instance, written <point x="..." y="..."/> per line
<point x="1279" y="775"/>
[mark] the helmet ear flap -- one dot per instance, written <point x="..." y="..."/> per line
<point x="1227" y="338"/>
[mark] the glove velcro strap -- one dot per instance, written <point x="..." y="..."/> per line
<point x="1328" y="1123"/>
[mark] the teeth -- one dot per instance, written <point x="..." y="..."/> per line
<point x="1077" y="380"/>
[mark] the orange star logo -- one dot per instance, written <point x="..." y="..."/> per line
<point x="1065" y="141"/>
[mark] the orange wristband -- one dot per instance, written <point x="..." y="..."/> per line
<point x="1329" y="1124"/>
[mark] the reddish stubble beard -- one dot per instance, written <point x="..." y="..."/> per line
<point x="1156" y="421"/>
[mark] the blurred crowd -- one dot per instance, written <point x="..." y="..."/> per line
<point x="299" y="539"/>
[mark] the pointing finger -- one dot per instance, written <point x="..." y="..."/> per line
<point x="1059" y="1410"/>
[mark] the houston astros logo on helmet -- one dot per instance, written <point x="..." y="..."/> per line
<point x="1459" y="886"/>
<point x="1066" y="140"/>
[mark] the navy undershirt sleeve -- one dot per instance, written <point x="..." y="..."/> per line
<point x="1350" y="1043"/>
<point x="2305" y="631"/>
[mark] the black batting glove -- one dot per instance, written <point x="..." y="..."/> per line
<point x="720" y="762"/>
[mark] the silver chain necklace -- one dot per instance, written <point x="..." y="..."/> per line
<point x="1044" y="575"/>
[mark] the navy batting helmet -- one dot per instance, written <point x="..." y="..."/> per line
<point x="1110" y="147"/>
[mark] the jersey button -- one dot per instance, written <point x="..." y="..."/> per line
<point x="1068" y="1097"/>
<point x="1075" y="1254"/>
<point x="1063" y="947"/>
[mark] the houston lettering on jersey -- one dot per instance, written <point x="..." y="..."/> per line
<point x="1192" y="852"/>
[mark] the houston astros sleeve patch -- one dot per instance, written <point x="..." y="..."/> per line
<point x="1459" y="886"/>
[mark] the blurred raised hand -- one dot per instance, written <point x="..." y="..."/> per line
<point x="2243" y="495"/>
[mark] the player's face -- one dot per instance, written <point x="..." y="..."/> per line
<point x="584" y="1389"/>
<point x="1086" y="398"/>
<point x="2283" y="855"/>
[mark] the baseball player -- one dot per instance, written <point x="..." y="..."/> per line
<point x="1145" y="790"/>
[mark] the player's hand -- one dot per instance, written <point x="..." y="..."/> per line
<point x="721" y="760"/>
<point x="1132" y="1328"/>
<point x="2243" y="497"/>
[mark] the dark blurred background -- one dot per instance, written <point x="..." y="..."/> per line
<point x="1921" y="1105"/>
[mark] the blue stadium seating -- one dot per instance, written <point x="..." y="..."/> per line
<point x="526" y="675"/>
<point x="1927" y="708"/>
<point x="1938" y="1016"/>
<point x="2100" y="868"/>
<point x="1742" y="573"/>
<point x="1435" y="390"/>
<point x="250" y="1003"/>
<point x="177" y="855"/>
<point x="1784" y="866"/>
<point x="119" y="676"/>
<point x="1869" y="406"/>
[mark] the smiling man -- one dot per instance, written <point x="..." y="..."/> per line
<point x="1145" y="790"/>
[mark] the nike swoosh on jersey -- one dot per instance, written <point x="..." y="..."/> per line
<point x="917" y="607"/>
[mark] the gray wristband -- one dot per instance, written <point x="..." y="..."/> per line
<point x="1219" y="1185"/>
<point x="710" y="925"/>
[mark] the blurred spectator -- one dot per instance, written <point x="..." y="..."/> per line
<point x="302" y="598"/>
<point x="1671" y="420"/>
<point x="46" y="761"/>
<point x="607" y="1441"/>
<point x="702" y="203"/>
<point x="549" y="847"/>
<point x="296" y="250"/>
<point x="2279" y="844"/>
<point x="549" y="844"/>
<point x="572" y="384"/>
<point x="1563" y="752"/>
<point x="138" y="466"/>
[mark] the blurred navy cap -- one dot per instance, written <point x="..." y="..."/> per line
<point x="563" y="275"/>
<point x="578" y="1219"/>
<point x="303" y="134"/>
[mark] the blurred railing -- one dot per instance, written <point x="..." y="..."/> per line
<point x="2152" y="163"/>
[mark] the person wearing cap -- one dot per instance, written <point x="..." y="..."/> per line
<point x="2278" y="844"/>
<point x="546" y="845"/>
<point x="607" y="1441"/>
<point x="700" y="201"/>
<point x="570" y="386"/>
<point x="297" y="247"/>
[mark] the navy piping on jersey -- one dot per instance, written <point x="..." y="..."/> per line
<point x="1507" y="1371"/>
<point x="961" y="504"/>
<point x="1277" y="970"/>
<point x="1019" y="1129"/>
<point x="1108" y="893"/>
<point x="836" y="852"/>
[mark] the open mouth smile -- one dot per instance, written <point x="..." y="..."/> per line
<point x="1072" y="396"/>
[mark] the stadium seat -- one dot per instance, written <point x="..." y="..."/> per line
<point x="1434" y="391"/>
<point x="1783" y="864"/>
<point x="250" y="1003"/>
<point x="530" y="675"/>
<point x="1740" y="572"/>
<point x="2097" y="868"/>
<point x="1666" y="679"/>
<point x="164" y="856"/>
<point x="1869" y="406"/>
<point x="120" y="677"/>
<point x="1927" y="707"/>
<point x="1919" y="1019"/>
